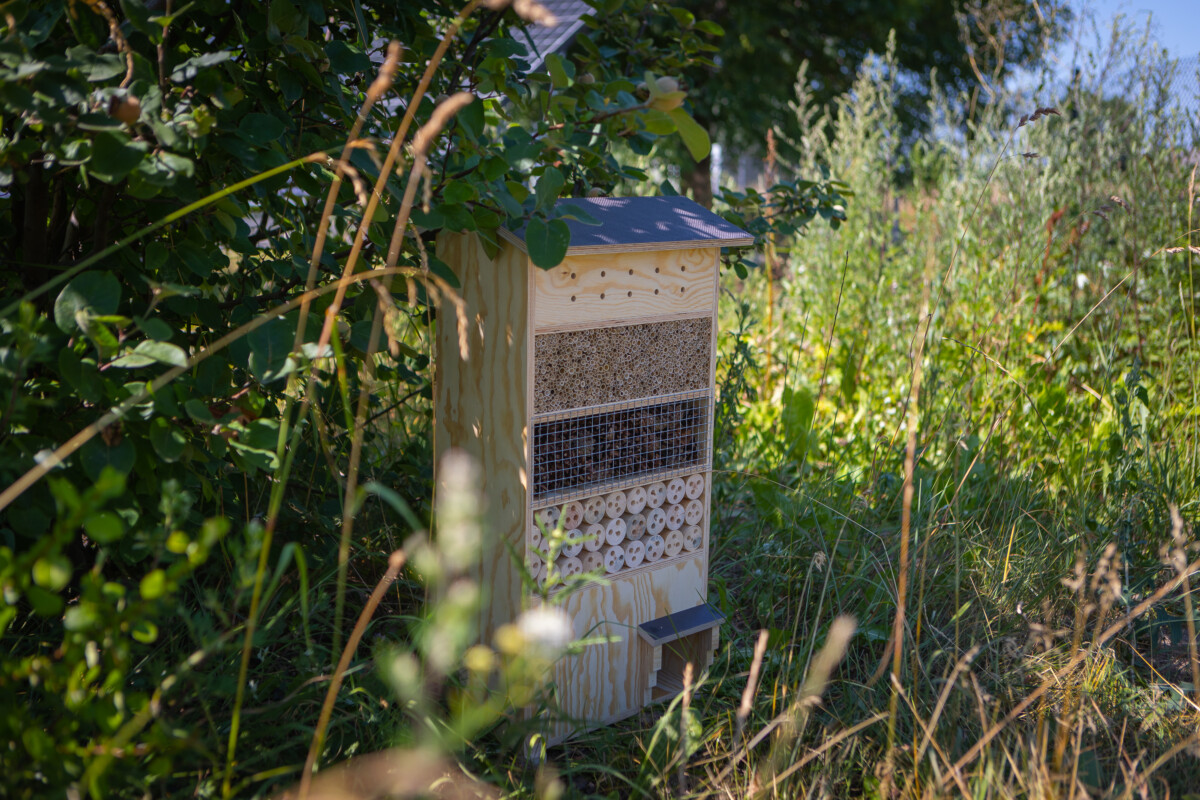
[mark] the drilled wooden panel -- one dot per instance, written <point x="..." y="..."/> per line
<point x="481" y="404"/>
<point x="623" y="288"/>
<point x="610" y="681"/>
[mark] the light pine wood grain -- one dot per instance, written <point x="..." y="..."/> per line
<point x="481" y="406"/>
<point x="623" y="288"/>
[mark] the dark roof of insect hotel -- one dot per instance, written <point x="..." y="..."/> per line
<point x="642" y="224"/>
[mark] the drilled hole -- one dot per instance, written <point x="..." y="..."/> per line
<point x="681" y="290"/>
<point x="572" y="276"/>
<point x="601" y="273"/>
<point x="683" y="269"/>
<point x="656" y="269"/>
<point x="656" y="291"/>
<point x="572" y="298"/>
<point x="629" y="294"/>
<point x="602" y="294"/>
<point x="630" y="272"/>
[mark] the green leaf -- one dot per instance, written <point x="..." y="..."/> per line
<point x="660" y="123"/>
<point x="270" y="346"/>
<point x="547" y="242"/>
<point x="96" y="455"/>
<point x="52" y="572"/>
<point x="163" y="352"/>
<point x="548" y="186"/>
<point x="154" y="585"/>
<point x="114" y="156"/>
<point x="104" y="526"/>
<point x="561" y="71"/>
<point x="258" y="129"/>
<point x="45" y="604"/>
<point x="144" y="631"/>
<point x="346" y="59"/>
<point x="155" y="328"/>
<point x="198" y="410"/>
<point x="93" y="293"/>
<point x="168" y="441"/>
<point x="694" y="137"/>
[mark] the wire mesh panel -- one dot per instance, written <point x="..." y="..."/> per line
<point x="575" y="453"/>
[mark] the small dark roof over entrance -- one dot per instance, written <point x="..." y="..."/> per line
<point x="642" y="224"/>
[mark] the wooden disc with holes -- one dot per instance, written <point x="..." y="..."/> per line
<point x="614" y="531"/>
<point x="592" y="560"/>
<point x="693" y="538"/>
<point x="693" y="512"/>
<point x="535" y="537"/>
<point x="693" y="486"/>
<point x="593" y="537"/>
<point x="676" y="491"/>
<point x="572" y="514"/>
<point x="675" y="515"/>
<point x="548" y="517"/>
<point x="635" y="553"/>
<point x="543" y="573"/>
<point x="656" y="494"/>
<point x="614" y="504"/>
<point x="655" y="547"/>
<point x="533" y="563"/>
<point x="656" y="520"/>
<point x="635" y="499"/>
<point x="593" y="509"/>
<point x="614" y="558"/>
<point x="635" y="525"/>
<point x="674" y="544"/>
<point x="569" y="566"/>
<point x="573" y="543"/>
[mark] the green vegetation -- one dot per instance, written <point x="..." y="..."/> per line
<point x="957" y="431"/>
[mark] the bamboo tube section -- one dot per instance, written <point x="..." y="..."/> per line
<point x="593" y="509"/>
<point x="656" y="521"/>
<point x="676" y="491"/>
<point x="614" y="504"/>
<point x="635" y="553"/>
<point x="614" y="558"/>
<point x="573" y="545"/>
<point x="635" y="499"/>
<point x="655" y="547"/>
<point x="635" y="525"/>
<point x="593" y="537"/>
<point x="675" y="515"/>
<point x="674" y="544"/>
<point x="569" y="566"/>
<point x="614" y="531"/>
<point x="572" y="514"/>
<point x="593" y="561"/>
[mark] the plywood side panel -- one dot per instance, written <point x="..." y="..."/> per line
<point x="594" y="290"/>
<point x="609" y="681"/>
<point x="481" y="404"/>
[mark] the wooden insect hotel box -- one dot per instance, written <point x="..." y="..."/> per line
<point x="587" y="397"/>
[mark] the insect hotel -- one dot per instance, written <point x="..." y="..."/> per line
<point x="587" y="397"/>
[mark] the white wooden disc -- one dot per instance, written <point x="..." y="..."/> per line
<point x="569" y="566"/>
<point x="614" y="558"/>
<point x="656" y="493"/>
<point x="572" y="514"/>
<point x="675" y="515"/>
<point x="593" y="537"/>
<point x="693" y="538"/>
<point x="693" y="486"/>
<point x="533" y="563"/>
<point x="548" y="517"/>
<point x="656" y="520"/>
<point x="592" y="560"/>
<point x="614" y="504"/>
<point x="573" y="544"/>
<point x="635" y="499"/>
<point x="535" y="537"/>
<point x="593" y="509"/>
<point x="542" y="574"/>
<point x="676" y="491"/>
<point x="655" y="547"/>
<point x="693" y="512"/>
<point x="674" y="542"/>
<point x="635" y="525"/>
<point x="614" y="531"/>
<point x="635" y="553"/>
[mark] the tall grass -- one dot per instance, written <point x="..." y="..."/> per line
<point x="998" y="483"/>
